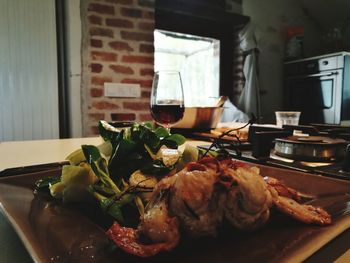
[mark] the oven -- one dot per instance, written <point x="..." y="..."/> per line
<point x="319" y="88"/>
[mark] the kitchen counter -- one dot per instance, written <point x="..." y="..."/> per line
<point x="27" y="153"/>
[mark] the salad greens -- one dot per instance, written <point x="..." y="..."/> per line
<point x="104" y="171"/>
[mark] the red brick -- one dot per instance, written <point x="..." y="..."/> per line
<point x="146" y="26"/>
<point x="121" y="69"/>
<point x="96" y="93"/>
<point x="148" y="15"/>
<point x="103" y="32"/>
<point x="138" y="59"/>
<point x="122" y="2"/>
<point x="96" y="43"/>
<point x="116" y="22"/>
<point x="96" y="68"/>
<point x="94" y="130"/>
<point x="103" y="56"/>
<point x="147" y="72"/>
<point x="145" y="117"/>
<point x="117" y="45"/>
<point x="104" y="105"/>
<point x="123" y="116"/>
<point x="131" y="12"/>
<point x="101" y="9"/>
<point x="95" y="80"/>
<point x="138" y="106"/>
<point x="146" y="3"/>
<point x="143" y="83"/>
<point x="136" y="36"/>
<point x="145" y="94"/>
<point x="95" y="20"/>
<point x="96" y="116"/>
<point x="144" y="48"/>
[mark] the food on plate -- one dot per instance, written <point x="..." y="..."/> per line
<point x="121" y="172"/>
<point x="197" y="200"/>
<point x="241" y="134"/>
<point x="157" y="194"/>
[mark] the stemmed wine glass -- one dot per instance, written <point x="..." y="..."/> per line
<point x="167" y="99"/>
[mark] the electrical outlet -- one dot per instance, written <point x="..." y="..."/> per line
<point x="122" y="90"/>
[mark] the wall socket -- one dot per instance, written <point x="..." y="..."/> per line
<point x="122" y="90"/>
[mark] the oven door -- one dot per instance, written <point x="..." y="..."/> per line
<point x="317" y="96"/>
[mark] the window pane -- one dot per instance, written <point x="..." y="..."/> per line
<point x="197" y="59"/>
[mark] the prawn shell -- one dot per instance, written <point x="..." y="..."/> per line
<point x="126" y="239"/>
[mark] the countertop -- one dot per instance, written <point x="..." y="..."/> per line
<point x="27" y="153"/>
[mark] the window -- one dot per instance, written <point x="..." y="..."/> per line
<point x="207" y="21"/>
<point x="196" y="58"/>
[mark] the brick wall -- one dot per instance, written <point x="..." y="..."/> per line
<point x="117" y="46"/>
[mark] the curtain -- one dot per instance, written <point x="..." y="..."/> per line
<point x="249" y="101"/>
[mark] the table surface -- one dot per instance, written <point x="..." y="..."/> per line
<point x="27" y="153"/>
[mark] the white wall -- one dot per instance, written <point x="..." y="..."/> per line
<point x="331" y="14"/>
<point x="271" y="18"/>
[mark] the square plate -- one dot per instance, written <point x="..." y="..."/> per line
<point x="55" y="233"/>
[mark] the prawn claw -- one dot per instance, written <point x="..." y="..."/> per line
<point x="127" y="239"/>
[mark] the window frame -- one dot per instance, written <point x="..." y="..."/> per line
<point x="189" y="17"/>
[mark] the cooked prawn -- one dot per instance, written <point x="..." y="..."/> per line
<point x="198" y="198"/>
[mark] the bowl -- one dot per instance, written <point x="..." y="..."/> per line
<point x="200" y="118"/>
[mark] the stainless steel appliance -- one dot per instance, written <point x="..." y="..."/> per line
<point x="319" y="87"/>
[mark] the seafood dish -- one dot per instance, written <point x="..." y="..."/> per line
<point x="204" y="195"/>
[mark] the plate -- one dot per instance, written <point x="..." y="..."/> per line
<point x="53" y="233"/>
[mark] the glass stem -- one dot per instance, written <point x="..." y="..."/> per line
<point x="167" y="127"/>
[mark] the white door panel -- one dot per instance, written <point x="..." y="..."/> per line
<point x="28" y="70"/>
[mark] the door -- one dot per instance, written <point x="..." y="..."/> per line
<point x="317" y="96"/>
<point x="28" y="70"/>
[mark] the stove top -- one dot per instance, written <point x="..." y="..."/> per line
<point x="264" y="148"/>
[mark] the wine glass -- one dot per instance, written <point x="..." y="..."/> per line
<point x="167" y="99"/>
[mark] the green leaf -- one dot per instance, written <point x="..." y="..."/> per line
<point x="72" y="174"/>
<point x="44" y="183"/>
<point x="107" y="131"/>
<point x="190" y="154"/>
<point x="102" y="189"/>
<point x="179" y="139"/>
<point x="211" y="153"/>
<point x="91" y="152"/>
<point x="148" y="125"/>
<point x="109" y="206"/>
<point x="169" y="144"/>
<point x="161" y="132"/>
<point x="76" y="157"/>
<point x="113" y="206"/>
<point x="106" y="148"/>
<point x="157" y="168"/>
<point x="99" y="166"/>
<point x="148" y="137"/>
<point x="121" y="153"/>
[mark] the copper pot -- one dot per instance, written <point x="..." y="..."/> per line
<point x="200" y="118"/>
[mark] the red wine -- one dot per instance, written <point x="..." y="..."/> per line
<point x="167" y="114"/>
